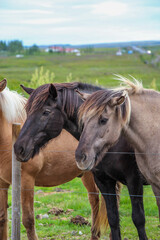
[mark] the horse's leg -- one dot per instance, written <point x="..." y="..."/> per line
<point x="3" y="209"/>
<point x="27" y="199"/>
<point x="89" y="183"/>
<point x="156" y="192"/>
<point x="135" y="187"/>
<point x="109" y="186"/>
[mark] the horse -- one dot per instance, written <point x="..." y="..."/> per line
<point x="129" y="111"/>
<point x="58" y="106"/>
<point x="54" y="165"/>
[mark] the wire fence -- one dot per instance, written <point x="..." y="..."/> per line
<point x="82" y="192"/>
<point x="113" y="153"/>
<point x="17" y="187"/>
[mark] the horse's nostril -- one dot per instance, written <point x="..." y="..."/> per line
<point x="84" y="157"/>
<point x="21" y="150"/>
<point x="80" y="156"/>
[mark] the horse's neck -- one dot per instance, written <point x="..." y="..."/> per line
<point x="71" y="124"/>
<point x="72" y="127"/>
<point x="6" y="130"/>
<point x="144" y="135"/>
<point x="5" y="133"/>
<point x="143" y="131"/>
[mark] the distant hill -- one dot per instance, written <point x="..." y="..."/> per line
<point x="108" y="45"/>
<point x="120" y="44"/>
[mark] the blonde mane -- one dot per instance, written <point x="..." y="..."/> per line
<point x="12" y="106"/>
<point x="96" y="103"/>
<point x="132" y="87"/>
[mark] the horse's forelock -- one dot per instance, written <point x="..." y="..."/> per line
<point x="96" y="105"/>
<point x="39" y="96"/>
<point x="66" y="91"/>
<point x="37" y="99"/>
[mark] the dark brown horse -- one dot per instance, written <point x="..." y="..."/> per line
<point x="53" y="107"/>
<point x="54" y="165"/>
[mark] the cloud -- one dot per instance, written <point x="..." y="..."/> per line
<point x="6" y="12"/>
<point x="45" y="21"/>
<point x="30" y="17"/>
<point x="111" y="8"/>
<point x="85" y="21"/>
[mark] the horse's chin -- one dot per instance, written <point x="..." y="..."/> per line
<point x="26" y="158"/>
<point x="40" y="146"/>
<point x="35" y="151"/>
<point x="88" y="167"/>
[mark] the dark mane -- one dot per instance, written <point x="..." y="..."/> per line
<point x="37" y="98"/>
<point x="69" y="97"/>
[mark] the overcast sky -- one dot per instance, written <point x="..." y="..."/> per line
<point x="79" y="21"/>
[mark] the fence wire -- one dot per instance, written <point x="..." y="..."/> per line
<point x="81" y="192"/>
<point x="122" y="153"/>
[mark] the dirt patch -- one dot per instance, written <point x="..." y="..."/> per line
<point x="68" y="211"/>
<point x="56" y="211"/>
<point x="79" y="220"/>
<point x="57" y="190"/>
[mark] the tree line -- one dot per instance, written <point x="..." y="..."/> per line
<point x="16" y="46"/>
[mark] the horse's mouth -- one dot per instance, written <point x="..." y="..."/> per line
<point x="26" y="158"/>
<point x="91" y="166"/>
<point x="87" y="166"/>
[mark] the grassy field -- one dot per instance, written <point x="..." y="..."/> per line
<point x="75" y="197"/>
<point x="92" y="68"/>
<point x="86" y="68"/>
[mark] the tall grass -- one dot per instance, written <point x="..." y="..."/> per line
<point x="41" y="76"/>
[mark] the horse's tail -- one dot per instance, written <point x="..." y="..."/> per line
<point x="101" y="223"/>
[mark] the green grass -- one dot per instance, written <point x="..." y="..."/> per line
<point x="60" y="227"/>
<point x="87" y="68"/>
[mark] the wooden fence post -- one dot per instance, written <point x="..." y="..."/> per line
<point x="16" y="186"/>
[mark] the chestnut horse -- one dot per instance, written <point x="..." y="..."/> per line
<point x="47" y="169"/>
<point x="58" y="106"/>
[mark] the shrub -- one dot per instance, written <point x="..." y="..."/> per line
<point x="40" y="77"/>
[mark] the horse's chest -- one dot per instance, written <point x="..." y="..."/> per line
<point x="112" y="169"/>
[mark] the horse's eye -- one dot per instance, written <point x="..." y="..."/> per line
<point x="46" y="112"/>
<point x="103" y="121"/>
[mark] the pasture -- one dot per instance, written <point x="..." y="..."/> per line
<point x="91" y="68"/>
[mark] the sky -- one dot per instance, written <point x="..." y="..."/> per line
<point x="49" y="22"/>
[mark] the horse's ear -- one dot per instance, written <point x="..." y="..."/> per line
<point x="27" y="90"/>
<point x="52" y="91"/>
<point x="117" y="100"/>
<point x="3" y="84"/>
<point x="83" y="96"/>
